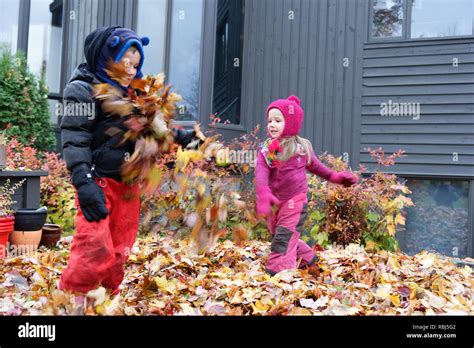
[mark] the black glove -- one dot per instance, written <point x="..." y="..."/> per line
<point x="186" y="138"/>
<point x="90" y="195"/>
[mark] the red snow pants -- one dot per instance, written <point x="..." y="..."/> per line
<point x="286" y="226"/>
<point x="100" y="249"/>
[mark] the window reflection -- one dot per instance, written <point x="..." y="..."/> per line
<point x="185" y="55"/>
<point x="228" y="56"/>
<point x="438" y="18"/>
<point x="387" y="18"/>
<point x="151" y="22"/>
<point x="9" y="11"/>
<point x="53" y="104"/>
<point x="45" y="41"/>
<point x="439" y="219"/>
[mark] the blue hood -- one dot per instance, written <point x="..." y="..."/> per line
<point x="111" y="42"/>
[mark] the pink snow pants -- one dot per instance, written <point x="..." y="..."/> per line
<point x="286" y="226"/>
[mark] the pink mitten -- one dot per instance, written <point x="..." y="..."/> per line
<point x="343" y="178"/>
<point x="265" y="200"/>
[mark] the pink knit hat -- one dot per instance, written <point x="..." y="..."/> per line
<point x="292" y="112"/>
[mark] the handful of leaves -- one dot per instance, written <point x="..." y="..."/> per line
<point x="212" y="200"/>
<point x="149" y="110"/>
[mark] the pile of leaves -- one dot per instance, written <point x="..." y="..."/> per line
<point x="165" y="276"/>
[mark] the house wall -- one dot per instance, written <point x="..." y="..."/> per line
<point x="305" y="56"/>
<point x="421" y="72"/>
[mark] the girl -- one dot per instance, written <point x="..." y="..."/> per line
<point x="281" y="180"/>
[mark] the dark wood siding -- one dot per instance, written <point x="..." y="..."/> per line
<point x="82" y="20"/>
<point x="115" y="12"/>
<point x="90" y="15"/>
<point x="305" y="57"/>
<point x="421" y="72"/>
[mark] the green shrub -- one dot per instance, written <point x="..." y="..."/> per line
<point x="24" y="102"/>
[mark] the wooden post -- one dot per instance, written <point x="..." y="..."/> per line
<point x="28" y="195"/>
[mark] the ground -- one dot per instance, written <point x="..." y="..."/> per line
<point x="165" y="276"/>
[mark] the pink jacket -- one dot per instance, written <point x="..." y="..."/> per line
<point x="289" y="178"/>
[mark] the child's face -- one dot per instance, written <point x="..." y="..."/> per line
<point x="131" y="60"/>
<point x="276" y="123"/>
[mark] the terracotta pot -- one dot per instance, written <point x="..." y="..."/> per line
<point x="51" y="235"/>
<point x="25" y="241"/>
<point x="6" y="228"/>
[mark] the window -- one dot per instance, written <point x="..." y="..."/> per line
<point x="228" y="61"/>
<point x="151" y="22"/>
<point x="439" y="219"/>
<point x="425" y="19"/>
<point x="438" y="18"/>
<point x="52" y="109"/>
<point x="185" y="55"/>
<point x="9" y="14"/>
<point x="387" y="18"/>
<point x="45" y="41"/>
<point x="174" y="28"/>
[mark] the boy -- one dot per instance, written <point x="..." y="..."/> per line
<point x="108" y="209"/>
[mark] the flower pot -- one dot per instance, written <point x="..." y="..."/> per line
<point x="30" y="219"/>
<point x="25" y="241"/>
<point x="51" y="235"/>
<point x="6" y="228"/>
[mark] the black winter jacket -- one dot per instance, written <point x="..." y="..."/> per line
<point x="87" y="140"/>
